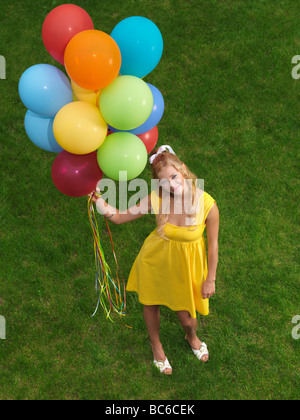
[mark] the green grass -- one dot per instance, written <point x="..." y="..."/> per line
<point x="232" y="114"/>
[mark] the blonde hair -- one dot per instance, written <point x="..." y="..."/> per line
<point x="161" y="161"/>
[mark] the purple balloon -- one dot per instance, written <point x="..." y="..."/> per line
<point x="76" y="175"/>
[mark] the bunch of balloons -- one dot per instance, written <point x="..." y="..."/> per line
<point x="103" y="117"/>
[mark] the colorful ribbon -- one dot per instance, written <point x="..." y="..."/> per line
<point x="112" y="294"/>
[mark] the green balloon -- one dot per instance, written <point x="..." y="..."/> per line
<point x="122" y="152"/>
<point x="126" y="103"/>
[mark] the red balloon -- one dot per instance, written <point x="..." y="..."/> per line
<point x="60" y="25"/>
<point x="149" y="138"/>
<point x="76" y="175"/>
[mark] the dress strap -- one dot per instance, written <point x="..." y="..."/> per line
<point x="155" y="202"/>
<point x="206" y="202"/>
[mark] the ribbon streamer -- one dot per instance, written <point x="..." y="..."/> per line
<point x="112" y="294"/>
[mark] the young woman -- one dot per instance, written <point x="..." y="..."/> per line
<point x="171" y="268"/>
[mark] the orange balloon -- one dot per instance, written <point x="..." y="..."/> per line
<point x="92" y="59"/>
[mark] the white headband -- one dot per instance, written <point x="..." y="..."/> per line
<point x="164" y="148"/>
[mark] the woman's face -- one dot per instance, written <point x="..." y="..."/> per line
<point x="171" y="180"/>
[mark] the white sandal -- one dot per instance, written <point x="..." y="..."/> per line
<point x="163" y="365"/>
<point x="203" y="351"/>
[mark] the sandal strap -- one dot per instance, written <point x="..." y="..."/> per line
<point x="162" y="365"/>
<point x="203" y="351"/>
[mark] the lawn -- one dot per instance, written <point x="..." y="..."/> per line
<point x="232" y="115"/>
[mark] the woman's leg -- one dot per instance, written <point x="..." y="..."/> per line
<point x="189" y="325"/>
<point x="152" y="320"/>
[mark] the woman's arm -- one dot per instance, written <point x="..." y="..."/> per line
<point x="212" y="223"/>
<point x="118" y="217"/>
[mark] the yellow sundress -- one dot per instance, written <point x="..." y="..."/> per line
<point x="171" y="271"/>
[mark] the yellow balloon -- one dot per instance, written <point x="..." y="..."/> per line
<point x="85" y="95"/>
<point x="79" y="128"/>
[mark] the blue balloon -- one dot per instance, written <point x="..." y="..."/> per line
<point x="140" y="43"/>
<point x="44" y="89"/>
<point x="155" y="116"/>
<point x="40" y="131"/>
